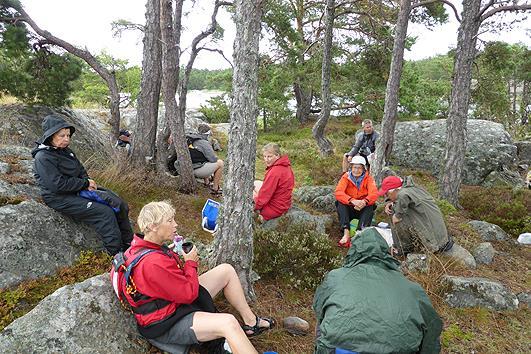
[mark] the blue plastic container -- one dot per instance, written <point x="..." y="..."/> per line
<point x="344" y="351"/>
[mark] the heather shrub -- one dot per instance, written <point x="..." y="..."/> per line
<point x="296" y="254"/>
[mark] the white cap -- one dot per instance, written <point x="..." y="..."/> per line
<point x="358" y="160"/>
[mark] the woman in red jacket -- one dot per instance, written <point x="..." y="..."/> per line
<point x="172" y="304"/>
<point x="356" y="194"/>
<point x="272" y="198"/>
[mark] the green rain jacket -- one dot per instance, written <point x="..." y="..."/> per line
<point x="368" y="306"/>
<point x="422" y="226"/>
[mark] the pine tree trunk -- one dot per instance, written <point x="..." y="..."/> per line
<point x="384" y="146"/>
<point x="303" y="98"/>
<point x="234" y="242"/>
<point x="318" y="131"/>
<point x="144" y="137"/>
<point x="459" y="102"/>
<point x="170" y="79"/>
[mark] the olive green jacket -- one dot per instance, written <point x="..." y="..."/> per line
<point x="422" y="224"/>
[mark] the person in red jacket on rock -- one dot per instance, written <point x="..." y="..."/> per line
<point x="356" y="194"/>
<point x="172" y="304"/>
<point x="272" y="197"/>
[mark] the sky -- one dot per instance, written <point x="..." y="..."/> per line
<point x="88" y="24"/>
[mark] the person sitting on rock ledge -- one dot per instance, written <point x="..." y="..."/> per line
<point x="61" y="176"/>
<point x="173" y="306"/>
<point x="364" y="146"/>
<point x="369" y="306"/>
<point x="273" y="196"/>
<point x="417" y="223"/>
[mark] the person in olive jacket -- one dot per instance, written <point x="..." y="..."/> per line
<point x="61" y="176"/>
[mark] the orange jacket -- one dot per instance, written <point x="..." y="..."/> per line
<point x="347" y="190"/>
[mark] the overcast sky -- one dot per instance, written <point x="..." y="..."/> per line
<point x="88" y="24"/>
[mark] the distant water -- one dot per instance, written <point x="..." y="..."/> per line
<point x="197" y="98"/>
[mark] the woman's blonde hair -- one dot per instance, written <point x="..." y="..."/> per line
<point x="273" y="148"/>
<point x="153" y="214"/>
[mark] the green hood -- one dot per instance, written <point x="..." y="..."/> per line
<point x="369" y="246"/>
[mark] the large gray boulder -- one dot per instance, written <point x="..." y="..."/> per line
<point x="320" y="198"/>
<point x="421" y="144"/>
<point x="81" y="318"/>
<point x="488" y="231"/>
<point x="35" y="241"/>
<point x="472" y="292"/>
<point x="21" y="125"/>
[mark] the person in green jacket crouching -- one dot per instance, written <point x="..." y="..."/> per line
<point x="368" y="306"/>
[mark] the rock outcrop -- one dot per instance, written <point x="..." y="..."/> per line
<point x="298" y="216"/>
<point x="421" y="144"/>
<point x="80" y="318"/>
<point x="34" y="239"/>
<point x="320" y="198"/>
<point x="472" y="292"/>
<point x="21" y="125"/>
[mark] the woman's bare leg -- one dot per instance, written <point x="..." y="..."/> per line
<point x="224" y="277"/>
<point x="208" y="326"/>
<point x="218" y="175"/>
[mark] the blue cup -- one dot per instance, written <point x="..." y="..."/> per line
<point x="270" y="353"/>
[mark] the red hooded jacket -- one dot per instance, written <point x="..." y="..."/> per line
<point x="160" y="276"/>
<point x="274" y="197"/>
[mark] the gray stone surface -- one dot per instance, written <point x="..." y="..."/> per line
<point x="4" y="167"/>
<point x="421" y="144"/>
<point x="298" y="216"/>
<point x="525" y="238"/>
<point x="488" y="231"/>
<point x="417" y="262"/>
<point x="524" y="298"/>
<point x="484" y="253"/>
<point x="18" y="182"/>
<point x="461" y="255"/>
<point x="82" y="318"/>
<point x="296" y="325"/>
<point x="472" y="292"/>
<point x="21" y="125"/>
<point x="523" y="151"/>
<point x="320" y="198"/>
<point x="36" y="240"/>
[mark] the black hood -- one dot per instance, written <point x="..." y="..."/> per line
<point x="51" y="125"/>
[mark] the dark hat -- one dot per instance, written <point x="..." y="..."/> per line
<point x="203" y="128"/>
<point x="51" y="125"/>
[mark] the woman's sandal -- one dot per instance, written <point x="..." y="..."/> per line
<point x="256" y="329"/>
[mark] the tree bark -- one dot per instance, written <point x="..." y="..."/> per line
<point x="171" y="32"/>
<point x="459" y="102"/>
<point x="385" y="144"/>
<point x="144" y="137"/>
<point x="234" y="242"/>
<point x="303" y="97"/>
<point x="318" y="130"/>
<point x="106" y="75"/>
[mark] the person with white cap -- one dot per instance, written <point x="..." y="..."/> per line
<point x="356" y="195"/>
